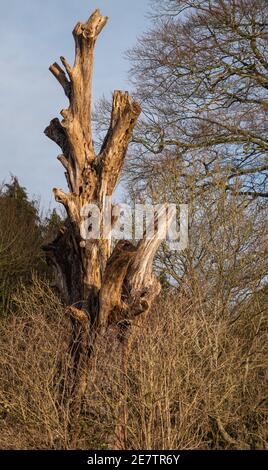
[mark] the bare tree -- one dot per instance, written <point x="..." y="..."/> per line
<point x="201" y="74"/>
<point x="101" y="286"/>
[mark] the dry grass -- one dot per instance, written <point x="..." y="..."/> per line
<point x="195" y="380"/>
<point x="32" y="341"/>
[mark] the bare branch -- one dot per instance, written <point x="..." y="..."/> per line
<point x="60" y="75"/>
<point x="125" y="113"/>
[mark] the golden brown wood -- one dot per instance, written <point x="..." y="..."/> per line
<point x="104" y="287"/>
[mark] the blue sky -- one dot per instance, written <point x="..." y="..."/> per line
<point x="34" y="34"/>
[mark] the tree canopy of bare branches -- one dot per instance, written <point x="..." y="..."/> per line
<point x="201" y="74"/>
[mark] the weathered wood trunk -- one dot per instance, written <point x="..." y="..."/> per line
<point x="98" y="285"/>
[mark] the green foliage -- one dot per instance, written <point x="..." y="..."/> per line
<point x="16" y="195"/>
<point x="22" y="234"/>
<point x="52" y="225"/>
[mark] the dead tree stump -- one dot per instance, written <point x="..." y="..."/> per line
<point x="99" y="285"/>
